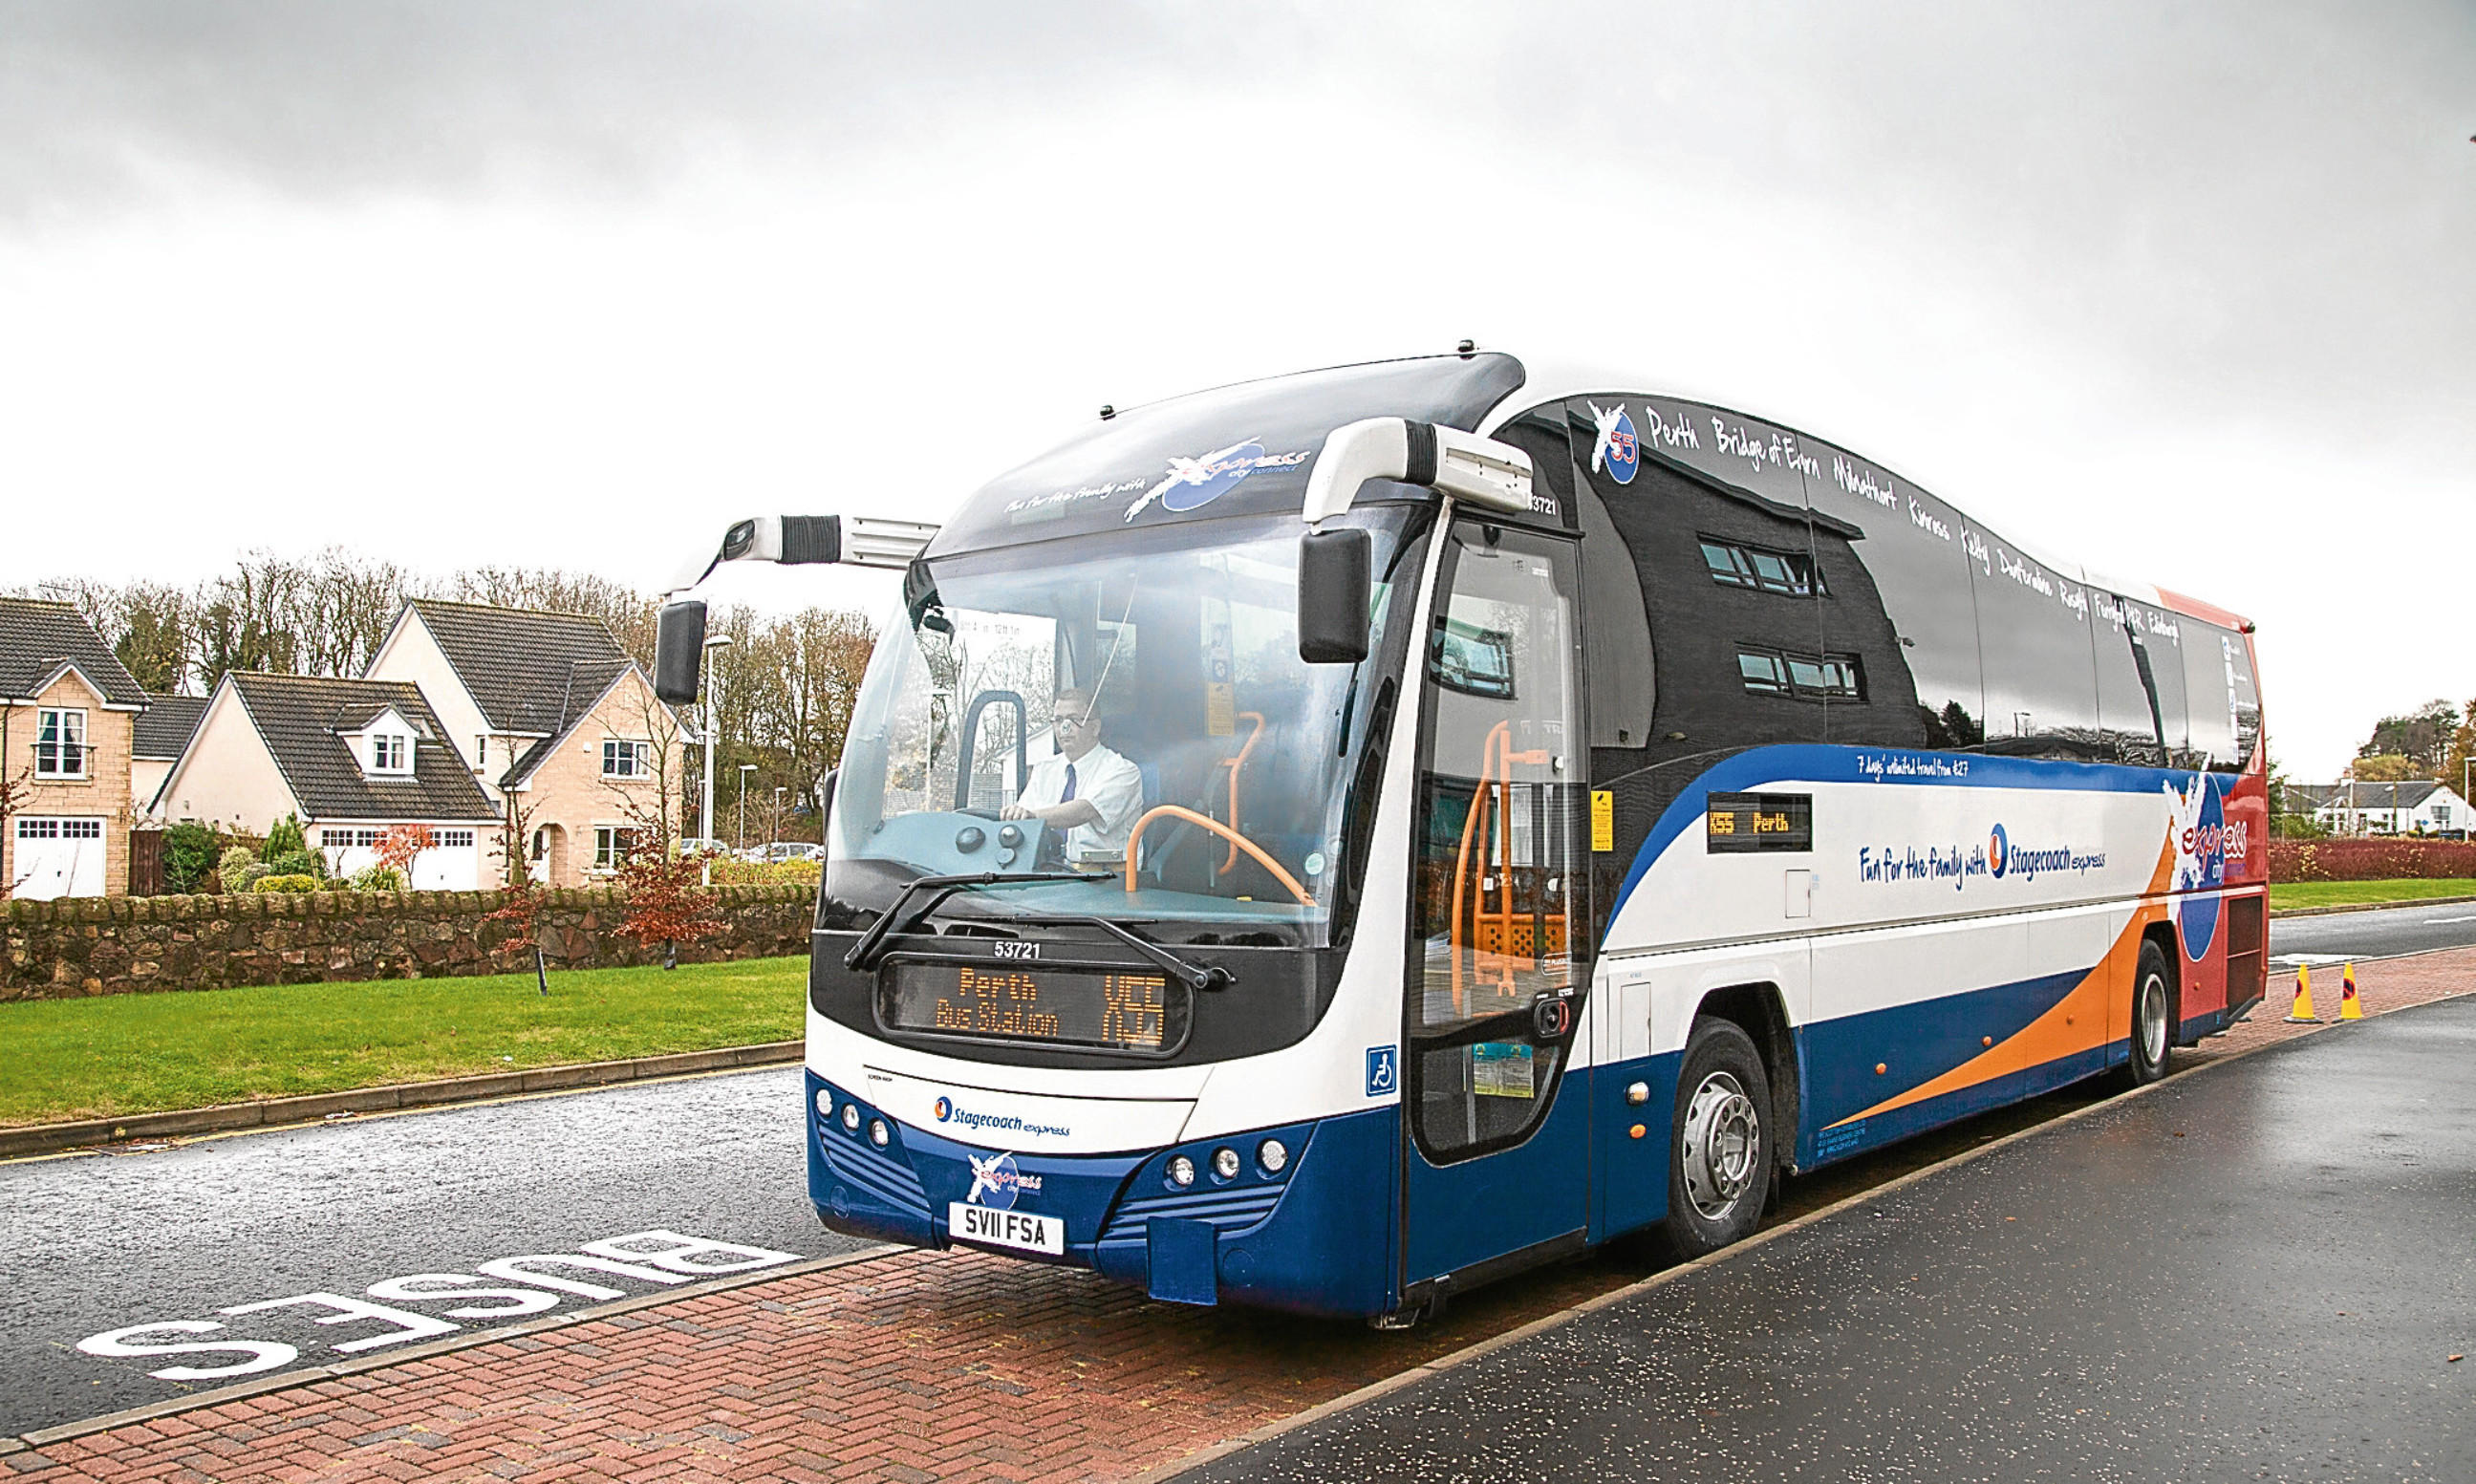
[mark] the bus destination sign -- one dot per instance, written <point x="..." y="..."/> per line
<point x="1124" y="1011"/>
<point x="1760" y="822"/>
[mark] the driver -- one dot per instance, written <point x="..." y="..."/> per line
<point x="1084" y="790"/>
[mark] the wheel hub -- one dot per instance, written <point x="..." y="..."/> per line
<point x="1723" y="1145"/>
<point x="2153" y="1021"/>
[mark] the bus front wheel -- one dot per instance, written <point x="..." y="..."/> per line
<point x="1719" y="1166"/>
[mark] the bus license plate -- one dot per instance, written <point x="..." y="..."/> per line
<point x="1021" y="1230"/>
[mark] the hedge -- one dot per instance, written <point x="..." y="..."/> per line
<point x="2372" y="860"/>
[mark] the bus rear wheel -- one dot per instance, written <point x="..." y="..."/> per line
<point x="2153" y="1017"/>
<point x="1719" y="1166"/>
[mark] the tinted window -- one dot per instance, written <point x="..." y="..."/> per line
<point x="2033" y="630"/>
<point x="2218" y="678"/>
<point x="1739" y="565"/>
<point x="1897" y="596"/>
<point x="2139" y="682"/>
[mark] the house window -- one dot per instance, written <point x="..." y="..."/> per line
<point x="627" y="759"/>
<point x="60" y="742"/>
<point x="1769" y="671"/>
<point x="451" y="839"/>
<point x="345" y="838"/>
<point x="390" y="752"/>
<point x="1740" y="566"/>
<point x="480" y="751"/>
<point x="612" y="845"/>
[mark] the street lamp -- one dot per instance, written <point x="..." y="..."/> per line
<point x="779" y="791"/>
<point x="745" y="769"/>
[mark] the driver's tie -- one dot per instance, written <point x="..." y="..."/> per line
<point x="1068" y="796"/>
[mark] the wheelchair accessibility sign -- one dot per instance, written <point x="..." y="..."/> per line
<point x="1383" y="1072"/>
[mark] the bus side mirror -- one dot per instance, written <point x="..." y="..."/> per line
<point x="679" y="651"/>
<point x="1335" y="585"/>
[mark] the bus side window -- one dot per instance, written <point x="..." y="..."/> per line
<point x="1897" y="596"/>
<point x="2139" y="682"/>
<point x="2225" y="712"/>
<point x="2033" y="628"/>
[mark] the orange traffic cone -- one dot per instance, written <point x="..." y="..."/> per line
<point x="2301" y="1013"/>
<point x="2349" y="1008"/>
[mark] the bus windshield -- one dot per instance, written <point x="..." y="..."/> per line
<point x="1117" y="705"/>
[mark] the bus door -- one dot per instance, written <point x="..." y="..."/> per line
<point x="1496" y="1164"/>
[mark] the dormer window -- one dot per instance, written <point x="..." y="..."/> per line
<point x="391" y="752"/>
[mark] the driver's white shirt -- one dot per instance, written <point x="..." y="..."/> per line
<point x="1115" y="787"/>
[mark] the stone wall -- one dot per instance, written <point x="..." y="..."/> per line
<point x="121" y="945"/>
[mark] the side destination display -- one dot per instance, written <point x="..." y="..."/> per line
<point x="1759" y="822"/>
<point x="1119" y="1010"/>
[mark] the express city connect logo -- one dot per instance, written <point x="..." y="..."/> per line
<point x="1195" y="482"/>
<point x="2198" y="822"/>
<point x="996" y="1182"/>
<point x="1998" y="850"/>
<point x="1617" y="450"/>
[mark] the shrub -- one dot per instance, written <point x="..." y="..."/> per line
<point x="188" y="858"/>
<point x="285" y="883"/>
<point x="2370" y="860"/>
<point x="376" y="878"/>
<point x="298" y="863"/>
<point x="283" y="838"/>
<point x="2298" y="826"/>
<point x="239" y="867"/>
<point x="760" y="873"/>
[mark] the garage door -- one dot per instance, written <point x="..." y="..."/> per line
<point x="58" y="856"/>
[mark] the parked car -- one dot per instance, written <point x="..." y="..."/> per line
<point x="790" y="849"/>
<point x="693" y="845"/>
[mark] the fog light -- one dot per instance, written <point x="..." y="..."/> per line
<point x="1224" y="1163"/>
<point x="825" y="1104"/>
<point x="1272" y="1156"/>
<point x="877" y="1133"/>
<point x="1181" y="1171"/>
<point x="851" y="1118"/>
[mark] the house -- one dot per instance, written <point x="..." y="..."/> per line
<point x="554" y="719"/>
<point x="2418" y="807"/>
<point x="350" y="758"/>
<point x="161" y="735"/>
<point x="67" y="706"/>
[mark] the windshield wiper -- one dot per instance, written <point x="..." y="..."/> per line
<point x="1196" y="977"/>
<point x="865" y="954"/>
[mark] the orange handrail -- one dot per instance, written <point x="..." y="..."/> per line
<point x="1233" y="764"/>
<point x="1498" y="747"/>
<point x="1216" y="827"/>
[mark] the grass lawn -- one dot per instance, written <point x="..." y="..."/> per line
<point x="2333" y="894"/>
<point x="113" y="1054"/>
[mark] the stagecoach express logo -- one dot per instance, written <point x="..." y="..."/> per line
<point x="2203" y="841"/>
<point x="1617" y="450"/>
<point x="948" y="1111"/>
<point x="1998" y="851"/>
<point x="1193" y="483"/>
<point x="996" y="1182"/>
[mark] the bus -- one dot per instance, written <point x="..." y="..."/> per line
<point x="1335" y="840"/>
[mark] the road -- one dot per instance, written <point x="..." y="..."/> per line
<point x="2378" y="934"/>
<point x="2259" y="1271"/>
<point x="98" y="1243"/>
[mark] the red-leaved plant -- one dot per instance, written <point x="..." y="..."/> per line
<point x="2375" y="859"/>
<point x="666" y="904"/>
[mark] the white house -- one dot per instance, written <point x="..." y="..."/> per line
<point x="2419" y="806"/>
<point x="350" y="758"/>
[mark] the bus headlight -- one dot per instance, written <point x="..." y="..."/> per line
<point x="825" y="1104"/>
<point x="1181" y="1171"/>
<point x="1224" y="1163"/>
<point x="877" y="1133"/>
<point x="1273" y="1155"/>
<point x="851" y="1117"/>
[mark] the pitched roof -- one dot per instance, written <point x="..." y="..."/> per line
<point x="38" y="636"/>
<point x="591" y="682"/>
<point x="303" y="718"/>
<point x="167" y="725"/>
<point x="520" y="666"/>
<point x="2412" y="794"/>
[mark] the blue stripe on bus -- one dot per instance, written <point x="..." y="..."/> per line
<point x="1819" y="763"/>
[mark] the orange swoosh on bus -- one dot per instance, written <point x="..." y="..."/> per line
<point x="2081" y="1021"/>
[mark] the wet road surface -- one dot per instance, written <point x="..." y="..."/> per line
<point x="2376" y="934"/>
<point x="98" y="1243"/>
<point x="2259" y="1271"/>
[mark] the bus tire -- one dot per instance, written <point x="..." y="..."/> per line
<point x="1719" y="1161"/>
<point x="2153" y="1017"/>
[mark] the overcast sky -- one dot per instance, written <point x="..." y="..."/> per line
<point x="2182" y="291"/>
